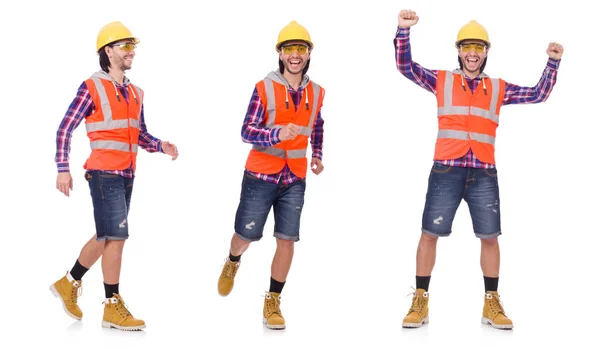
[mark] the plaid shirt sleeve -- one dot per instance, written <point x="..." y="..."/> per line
<point x="253" y="130"/>
<point x="514" y="94"/>
<point x="148" y="142"/>
<point x="316" y="138"/>
<point x="425" y="78"/>
<point x="81" y="107"/>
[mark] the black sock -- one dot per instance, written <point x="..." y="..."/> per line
<point x="276" y="286"/>
<point x="234" y="258"/>
<point x="78" y="271"/>
<point x="491" y="284"/>
<point x="110" y="289"/>
<point x="423" y="282"/>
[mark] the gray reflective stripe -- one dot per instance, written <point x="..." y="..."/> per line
<point x="106" y="125"/>
<point x="483" y="138"/>
<point x="448" y="86"/>
<point x="104" y="103"/>
<point x="449" y="109"/>
<point x="280" y="153"/>
<point x="465" y="136"/>
<point x="113" y="145"/>
<point x="138" y="92"/>
<point x="485" y="114"/>
<point x="296" y="154"/>
<point x="455" y="134"/>
<point x="307" y="131"/>
<point x="270" y="90"/>
<point x="495" y="94"/>
<point x="111" y="125"/>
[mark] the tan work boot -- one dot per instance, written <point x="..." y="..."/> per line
<point x="271" y="313"/>
<point x="68" y="290"/>
<point x="116" y="315"/>
<point x="227" y="275"/>
<point x="493" y="312"/>
<point x="418" y="314"/>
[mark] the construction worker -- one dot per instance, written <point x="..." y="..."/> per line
<point x="113" y="110"/>
<point x="464" y="166"/>
<point x="284" y="111"/>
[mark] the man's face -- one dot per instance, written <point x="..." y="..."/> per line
<point x="294" y="55"/>
<point x="121" y="54"/>
<point x="472" y="54"/>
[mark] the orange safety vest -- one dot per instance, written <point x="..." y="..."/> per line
<point x="278" y="113"/>
<point x="114" y="126"/>
<point x="467" y="120"/>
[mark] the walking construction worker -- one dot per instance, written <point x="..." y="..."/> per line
<point x="464" y="166"/>
<point x="284" y="112"/>
<point x="113" y="110"/>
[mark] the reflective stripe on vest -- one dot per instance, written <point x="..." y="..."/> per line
<point x="448" y="109"/>
<point x="465" y="136"/>
<point x="109" y="123"/>
<point x="280" y="153"/>
<point x="271" y="108"/>
<point x="113" y="145"/>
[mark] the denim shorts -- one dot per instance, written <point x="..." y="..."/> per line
<point x="256" y="200"/>
<point x="111" y="195"/>
<point x="448" y="185"/>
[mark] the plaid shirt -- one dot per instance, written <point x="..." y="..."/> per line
<point x="254" y="132"/>
<point x="513" y="94"/>
<point x="82" y="107"/>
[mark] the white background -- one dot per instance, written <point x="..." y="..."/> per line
<point x="361" y="223"/>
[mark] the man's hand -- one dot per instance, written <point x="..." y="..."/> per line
<point x="407" y="18"/>
<point x="170" y="149"/>
<point x="288" y="132"/>
<point x="316" y="166"/>
<point x="64" y="182"/>
<point x="555" y="50"/>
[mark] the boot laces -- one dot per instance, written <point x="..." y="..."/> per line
<point x="273" y="304"/>
<point x="76" y="290"/>
<point x="120" y="305"/>
<point x="230" y="269"/>
<point x="494" y="303"/>
<point x="418" y="302"/>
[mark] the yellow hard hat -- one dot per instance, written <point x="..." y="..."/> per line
<point x="112" y="32"/>
<point x="473" y="30"/>
<point x="293" y="31"/>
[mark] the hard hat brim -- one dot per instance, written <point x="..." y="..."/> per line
<point x="457" y="43"/>
<point x="279" y="44"/>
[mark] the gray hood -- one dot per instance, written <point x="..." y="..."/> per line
<point x="277" y="77"/>
<point x="104" y="75"/>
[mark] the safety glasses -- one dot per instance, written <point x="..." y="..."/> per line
<point x="289" y="49"/>
<point x="479" y="48"/>
<point x="127" y="47"/>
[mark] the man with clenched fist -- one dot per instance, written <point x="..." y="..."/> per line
<point x="284" y="112"/>
<point x="464" y="166"/>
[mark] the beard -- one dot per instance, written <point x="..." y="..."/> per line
<point x="122" y="64"/>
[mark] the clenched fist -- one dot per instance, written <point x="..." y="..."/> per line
<point x="555" y="50"/>
<point x="407" y="18"/>
<point x="289" y="132"/>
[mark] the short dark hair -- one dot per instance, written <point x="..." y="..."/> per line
<point x="282" y="67"/>
<point x="104" y="61"/>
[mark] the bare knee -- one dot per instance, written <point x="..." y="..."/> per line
<point x="285" y="244"/>
<point x="492" y="242"/>
<point x="427" y="239"/>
